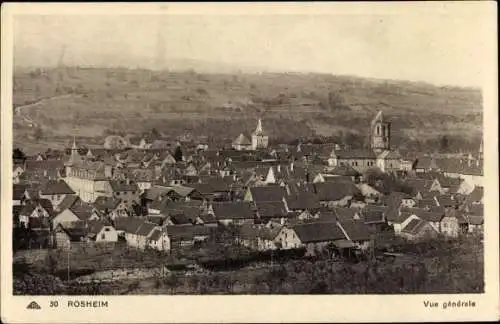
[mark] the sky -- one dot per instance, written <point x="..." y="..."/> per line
<point x="440" y="44"/>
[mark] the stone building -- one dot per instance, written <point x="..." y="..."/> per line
<point x="259" y="139"/>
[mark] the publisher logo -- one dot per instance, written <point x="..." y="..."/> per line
<point x="33" y="305"/>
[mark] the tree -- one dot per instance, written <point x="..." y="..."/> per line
<point x="18" y="154"/>
<point x="38" y="134"/>
<point x="178" y="155"/>
<point x="155" y="133"/>
<point x="444" y="143"/>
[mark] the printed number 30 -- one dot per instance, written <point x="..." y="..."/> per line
<point x="54" y="303"/>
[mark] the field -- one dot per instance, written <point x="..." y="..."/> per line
<point x="92" y="102"/>
<point x="438" y="266"/>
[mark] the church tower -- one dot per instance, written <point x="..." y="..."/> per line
<point x="74" y="158"/>
<point x="380" y="133"/>
<point x="259" y="139"/>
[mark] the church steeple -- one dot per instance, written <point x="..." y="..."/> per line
<point x="380" y="133"/>
<point x="258" y="129"/>
<point x="74" y="156"/>
<point x="259" y="139"/>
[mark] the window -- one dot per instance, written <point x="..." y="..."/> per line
<point x="378" y="129"/>
<point x="103" y="236"/>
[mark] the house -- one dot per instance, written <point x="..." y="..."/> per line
<point x="359" y="159"/>
<point x="475" y="196"/>
<point x="99" y="231"/>
<point x="313" y="236"/>
<point x="258" y="237"/>
<point x="371" y="194"/>
<point x="424" y="164"/>
<point x="345" y="170"/>
<point x="450" y="224"/>
<point x="267" y="193"/>
<point x="454" y="186"/>
<point x="19" y="194"/>
<point x="302" y="201"/>
<point x="77" y="212"/>
<point x="55" y="191"/>
<point x="374" y="217"/>
<point x="135" y="231"/>
<point x="125" y="190"/>
<point x="432" y="218"/>
<point x="39" y="209"/>
<point x="181" y="236"/>
<point x="272" y="210"/>
<point x="233" y="212"/>
<point x="343" y="214"/>
<point x="475" y="217"/>
<point x="357" y="232"/>
<point x="389" y="161"/>
<point x="17" y="170"/>
<point x="242" y="143"/>
<point x="140" y="239"/>
<point x="420" y="187"/>
<point x="418" y="229"/>
<point x="158" y="240"/>
<point x="68" y="233"/>
<point x="207" y="219"/>
<point x="111" y="207"/>
<point x="336" y="194"/>
<point x="399" y="199"/>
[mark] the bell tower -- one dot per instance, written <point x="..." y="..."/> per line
<point x="259" y="139"/>
<point x="380" y="133"/>
<point x="73" y="159"/>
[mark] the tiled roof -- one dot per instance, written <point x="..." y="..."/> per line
<point x="476" y="195"/>
<point x="56" y="187"/>
<point x="426" y="215"/>
<point x="268" y="193"/>
<point x="374" y="214"/>
<point x="345" y="170"/>
<point x="233" y="210"/>
<point x="356" y="230"/>
<point x="332" y="191"/>
<point x="123" y="185"/>
<point x="18" y="191"/>
<point x="344" y="214"/>
<point x="68" y="202"/>
<point x="155" y="235"/>
<point x="145" y="229"/>
<point x="355" y="154"/>
<point x="106" y="203"/>
<point x="242" y="140"/>
<point x="413" y="226"/>
<point x="82" y="211"/>
<point x="303" y="201"/>
<point x="318" y="232"/>
<point x="271" y="209"/>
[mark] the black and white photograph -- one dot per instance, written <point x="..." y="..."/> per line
<point x="270" y="153"/>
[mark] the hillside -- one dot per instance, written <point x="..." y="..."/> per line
<point x="92" y="102"/>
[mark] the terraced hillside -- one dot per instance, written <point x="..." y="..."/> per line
<point x="92" y="102"/>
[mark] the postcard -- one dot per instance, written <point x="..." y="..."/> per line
<point x="249" y="162"/>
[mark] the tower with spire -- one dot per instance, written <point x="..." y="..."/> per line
<point x="259" y="139"/>
<point x="74" y="158"/>
<point x="380" y="134"/>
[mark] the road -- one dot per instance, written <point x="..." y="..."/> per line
<point x="23" y="113"/>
